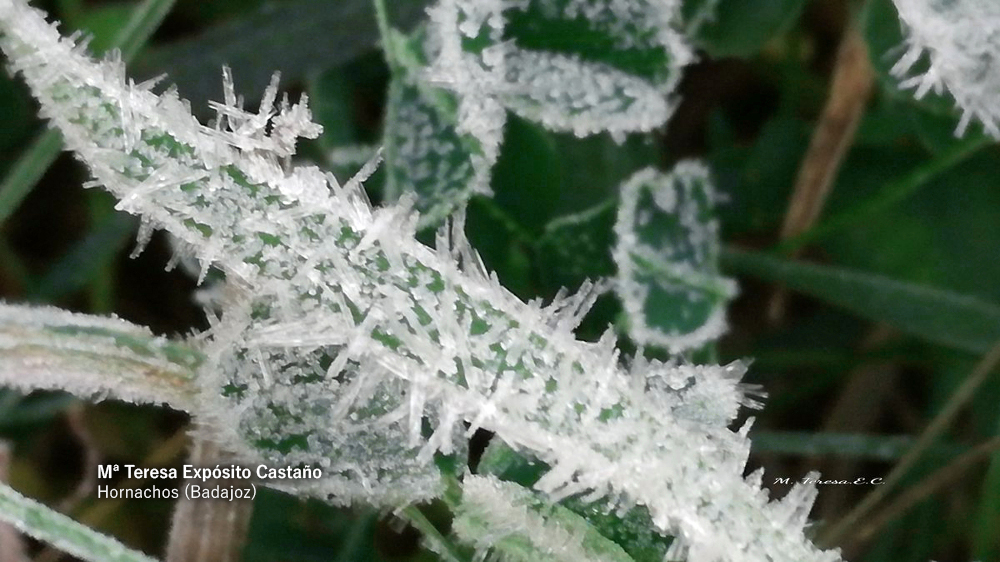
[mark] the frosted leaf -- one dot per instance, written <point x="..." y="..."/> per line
<point x="517" y="525"/>
<point x="611" y="69"/>
<point x="632" y="529"/>
<point x="959" y="42"/>
<point x="565" y="93"/>
<point x="427" y="157"/>
<point x="93" y="357"/>
<point x="639" y="37"/>
<point x="667" y="254"/>
<point x="335" y="321"/>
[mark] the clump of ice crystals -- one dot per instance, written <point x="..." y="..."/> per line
<point x="345" y="344"/>
<point x="960" y="40"/>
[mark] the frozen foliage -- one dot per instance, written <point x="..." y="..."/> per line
<point x="93" y="357"/>
<point x="667" y="254"/>
<point x="613" y="69"/>
<point x="345" y="344"/>
<point x="480" y="57"/>
<point x="960" y="40"/>
<point x="426" y="156"/>
<point x="517" y="525"/>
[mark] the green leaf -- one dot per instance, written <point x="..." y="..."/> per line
<point x="426" y="156"/>
<point x="634" y="530"/>
<point x="740" y="28"/>
<point x="890" y="191"/>
<point x="517" y="524"/>
<point x="943" y="317"/>
<point x="667" y="252"/>
<point x="945" y="235"/>
<point x="45" y="524"/>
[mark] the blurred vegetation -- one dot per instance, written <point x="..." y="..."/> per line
<point x="894" y="298"/>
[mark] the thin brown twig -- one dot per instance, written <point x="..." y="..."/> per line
<point x="927" y="487"/>
<point x="850" y="89"/>
<point x="965" y="392"/>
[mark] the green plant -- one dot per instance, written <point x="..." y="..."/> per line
<point x="339" y="343"/>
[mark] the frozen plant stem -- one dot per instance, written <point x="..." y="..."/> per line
<point x="341" y="337"/>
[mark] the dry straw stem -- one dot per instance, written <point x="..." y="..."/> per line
<point x="208" y="530"/>
<point x="849" y="522"/>
<point x="850" y="89"/>
<point x="926" y="487"/>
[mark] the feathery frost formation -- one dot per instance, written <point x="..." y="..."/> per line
<point x="667" y="255"/>
<point x="345" y="344"/>
<point x="961" y="39"/>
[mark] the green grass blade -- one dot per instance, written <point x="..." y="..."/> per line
<point x="143" y="22"/>
<point x="27" y="171"/>
<point x="45" y="524"/>
<point x="943" y="317"/>
<point x="852" y="445"/>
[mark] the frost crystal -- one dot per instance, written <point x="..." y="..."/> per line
<point x="667" y="254"/>
<point x="961" y="39"/>
<point x="345" y="344"/>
